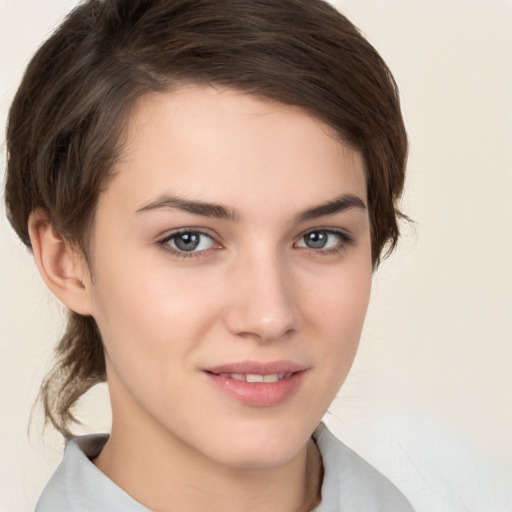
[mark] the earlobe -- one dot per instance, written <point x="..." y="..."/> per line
<point x="61" y="266"/>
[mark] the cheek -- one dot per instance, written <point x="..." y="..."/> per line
<point x="337" y="312"/>
<point x="341" y="300"/>
<point x="143" y="306"/>
<point x="151" y="321"/>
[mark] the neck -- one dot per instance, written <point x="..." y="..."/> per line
<point x="169" y="476"/>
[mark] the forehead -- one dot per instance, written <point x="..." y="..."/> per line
<point x="221" y="145"/>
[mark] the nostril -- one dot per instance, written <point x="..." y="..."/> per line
<point x="263" y="304"/>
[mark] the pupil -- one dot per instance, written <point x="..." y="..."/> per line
<point x="316" y="240"/>
<point x="187" y="241"/>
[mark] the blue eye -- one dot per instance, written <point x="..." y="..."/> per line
<point x="323" y="239"/>
<point x="188" y="241"/>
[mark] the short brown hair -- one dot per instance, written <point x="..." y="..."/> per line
<point x="66" y="121"/>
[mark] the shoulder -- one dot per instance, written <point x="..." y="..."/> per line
<point x="350" y="483"/>
<point x="78" y="486"/>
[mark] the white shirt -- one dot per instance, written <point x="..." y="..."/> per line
<point x="350" y="484"/>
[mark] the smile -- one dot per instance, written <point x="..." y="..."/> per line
<point x="252" y="377"/>
<point x="258" y="384"/>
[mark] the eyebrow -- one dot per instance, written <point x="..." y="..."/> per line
<point x="205" y="209"/>
<point x="337" y="205"/>
<point x="196" y="207"/>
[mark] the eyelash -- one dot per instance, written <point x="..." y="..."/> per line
<point x="345" y="240"/>
<point x="164" y="243"/>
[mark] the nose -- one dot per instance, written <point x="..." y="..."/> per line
<point x="263" y="304"/>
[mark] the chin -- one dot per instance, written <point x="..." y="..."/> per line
<point x="254" y="457"/>
<point x="260" y="446"/>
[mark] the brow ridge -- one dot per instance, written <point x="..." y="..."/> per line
<point x="337" y="205"/>
<point x="196" y="207"/>
<point x="206" y="209"/>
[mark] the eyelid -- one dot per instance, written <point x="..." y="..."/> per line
<point x="346" y="239"/>
<point x="187" y="229"/>
<point x="345" y="233"/>
<point x="163" y="242"/>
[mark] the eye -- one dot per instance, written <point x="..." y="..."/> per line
<point x="324" y="240"/>
<point x="188" y="241"/>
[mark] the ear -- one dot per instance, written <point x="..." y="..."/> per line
<point x="62" y="267"/>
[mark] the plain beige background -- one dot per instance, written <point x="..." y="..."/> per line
<point x="429" y="401"/>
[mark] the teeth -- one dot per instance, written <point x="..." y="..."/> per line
<point x="254" y="378"/>
<point x="251" y="377"/>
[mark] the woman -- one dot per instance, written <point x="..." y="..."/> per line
<point x="208" y="186"/>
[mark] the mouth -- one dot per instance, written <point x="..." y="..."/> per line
<point x="258" y="384"/>
<point x="254" y="377"/>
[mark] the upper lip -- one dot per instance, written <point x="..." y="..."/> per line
<point x="258" y="367"/>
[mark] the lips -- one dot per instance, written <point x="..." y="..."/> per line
<point x="258" y="384"/>
<point x="253" y="377"/>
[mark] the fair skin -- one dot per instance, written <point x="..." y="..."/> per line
<point x="268" y="278"/>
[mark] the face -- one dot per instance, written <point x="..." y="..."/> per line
<point x="231" y="274"/>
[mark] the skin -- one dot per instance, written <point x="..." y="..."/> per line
<point x="252" y="291"/>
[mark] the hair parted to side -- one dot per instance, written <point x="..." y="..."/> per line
<point x="66" y="122"/>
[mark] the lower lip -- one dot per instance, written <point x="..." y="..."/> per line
<point x="258" y="394"/>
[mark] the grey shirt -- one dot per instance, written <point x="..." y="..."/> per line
<point x="350" y="484"/>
